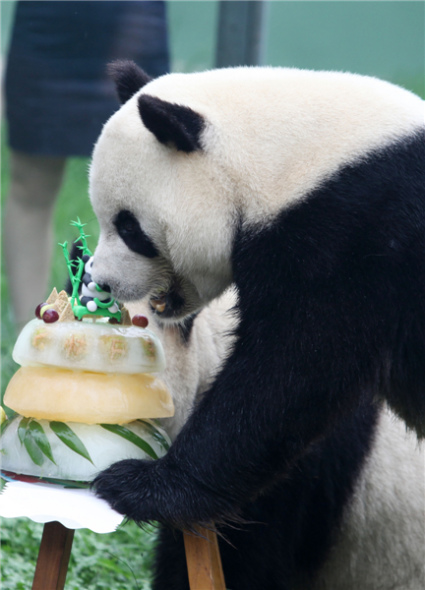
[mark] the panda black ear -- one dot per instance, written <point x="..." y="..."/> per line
<point x="172" y="124"/>
<point x="128" y="78"/>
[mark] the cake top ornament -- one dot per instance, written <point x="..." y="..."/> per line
<point x="88" y="298"/>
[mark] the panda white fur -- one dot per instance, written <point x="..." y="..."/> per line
<point x="194" y="352"/>
<point x="304" y="189"/>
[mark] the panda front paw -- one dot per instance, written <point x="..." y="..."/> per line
<point x="160" y="491"/>
<point x="127" y="487"/>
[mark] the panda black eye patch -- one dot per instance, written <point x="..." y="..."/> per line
<point x="129" y="230"/>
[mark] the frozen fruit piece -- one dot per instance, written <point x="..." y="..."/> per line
<point x="39" y="308"/>
<point x="140" y="320"/>
<point x="50" y="316"/>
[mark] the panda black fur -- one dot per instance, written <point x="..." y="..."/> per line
<point x="305" y="189"/>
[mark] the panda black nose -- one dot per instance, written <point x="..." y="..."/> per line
<point x="105" y="287"/>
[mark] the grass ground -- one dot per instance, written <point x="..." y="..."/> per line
<point x="116" y="561"/>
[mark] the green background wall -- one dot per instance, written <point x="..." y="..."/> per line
<point x="384" y="39"/>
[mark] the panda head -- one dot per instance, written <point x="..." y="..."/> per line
<point x="190" y="161"/>
<point x="149" y="174"/>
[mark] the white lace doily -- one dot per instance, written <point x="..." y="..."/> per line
<point x="74" y="508"/>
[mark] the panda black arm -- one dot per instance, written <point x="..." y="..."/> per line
<point x="332" y="314"/>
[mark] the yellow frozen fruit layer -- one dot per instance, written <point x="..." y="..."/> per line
<point x="81" y="396"/>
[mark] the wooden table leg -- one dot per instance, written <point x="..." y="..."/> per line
<point x="53" y="557"/>
<point x="203" y="561"/>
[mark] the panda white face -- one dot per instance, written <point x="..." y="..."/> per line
<point x="192" y="157"/>
<point x="154" y="240"/>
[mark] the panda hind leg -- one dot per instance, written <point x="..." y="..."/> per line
<point x="170" y="569"/>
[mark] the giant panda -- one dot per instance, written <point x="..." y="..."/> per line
<point x="305" y="190"/>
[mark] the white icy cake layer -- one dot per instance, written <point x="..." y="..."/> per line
<point x="98" y="347"/>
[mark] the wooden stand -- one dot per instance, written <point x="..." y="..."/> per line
<point x="202" y="556"/>
<point x="203" y="561"/>
<point x="53" y="557"/>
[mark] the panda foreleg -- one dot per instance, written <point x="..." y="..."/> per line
<point x="274" y="397"/>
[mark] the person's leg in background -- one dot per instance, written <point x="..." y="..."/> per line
<point x="28" y="228"/>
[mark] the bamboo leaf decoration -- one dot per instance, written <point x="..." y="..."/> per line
<point x="36" y="433"/>
<point x="160" y="439"/>
<point x="3" y="426"/>
<point x="70" y="439"/>
<point x="22" y="429"/>
<point x="131" y="437"/>
<point x="33" y="437"/>
<point x="27" y="438"/>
